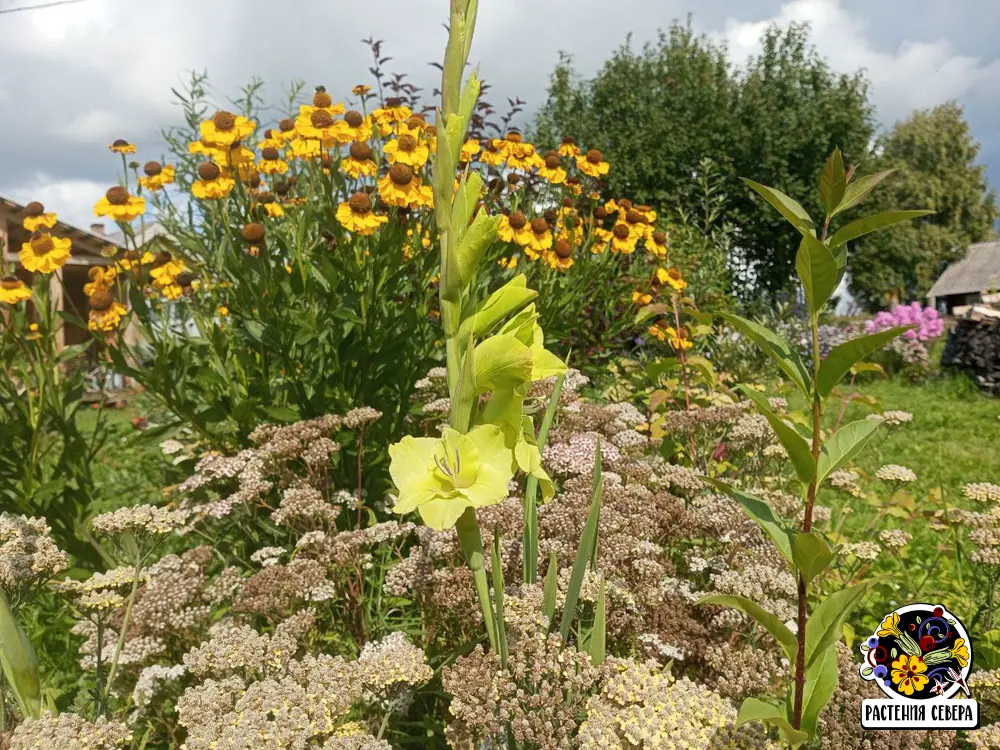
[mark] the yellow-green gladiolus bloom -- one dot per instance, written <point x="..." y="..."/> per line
<point x="441" y="477"/>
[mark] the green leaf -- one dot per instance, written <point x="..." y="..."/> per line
<point x="811" y="553"/>
<point x="833" y="181"/>
<point x="550" y="587"/>
<point x="465" y="391"/>
<point x="825" y="625"/>
<point x="502" y="363"/>
<point x="585" y="550"/>
<point x="821" y="681"/>
<point x="530" y="535"/>
<point x="473" y="244"/>
<point x="19" y="662"/>
<point x="754" y="709"/>
<point x="844" y="445"/>
<point x="506" y="300"/>
<point x="844" y="356"/>
<point x="786" y="206"/>
<point x="470" y="187"/>
<point x="774" y="347"/>
<point x="774" y="626"/>
<point x="798" y="449"/>
<point x="497" y="569"/>
<point x="868" y="224"/>
<point x="597" y="646"/>
<point x="860" y="189"/>
<point x="817" y="269"/>
<point x="776" y="528"/>
<point x="649" y="311"/>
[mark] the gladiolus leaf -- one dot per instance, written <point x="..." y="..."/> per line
<point x="505" y="301"/>
<point x="586" y="548"/>
<point x="19" y="663"/>
<point x="597" y="647"/>
<point x="473" y="243"/>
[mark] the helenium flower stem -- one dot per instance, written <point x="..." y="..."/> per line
<point x="471" y="542"/>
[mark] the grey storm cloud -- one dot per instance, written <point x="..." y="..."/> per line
<point x="74" y="77"/>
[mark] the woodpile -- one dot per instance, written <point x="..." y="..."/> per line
<point x="973" y="346"/>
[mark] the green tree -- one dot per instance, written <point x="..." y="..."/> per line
<point x="935" y="157"/>
<point x="792" y="111"/>
<point x="657" y="112"/>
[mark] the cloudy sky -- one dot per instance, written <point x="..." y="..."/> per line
<point x="75" y="77"/>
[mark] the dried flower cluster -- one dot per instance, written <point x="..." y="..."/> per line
<point x="28" y="556"/>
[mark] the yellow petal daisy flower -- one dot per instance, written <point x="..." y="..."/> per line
<point x="592" y="164"/>
<point x="13" y="290"/>
<point x="540" y="239"/>
<point x="568" y="148"/>
<point x="101" y="277"/>
<point x="225" y="129"/>
<point x="121" y="146"/>
<point x="407" y="149"/>
<point x="394" y="111"/>
<point x="357" y="216"/>
<point x="354" y="127"/>
<point x="514" y="228"/>
<point x="641" y="298"/>
<point x="35" y="218"/>
<point x="118" y="204"/>
<point x="359" y="162"/>
<point x="157" y="176"/>
<point x="622" y="239"/>
<point x="493" y="155"/>
<point x="469" y="150"/>
<point x="675" y="279"/>
<point x="551" y="169"/>
<point x="271" y="161"/>
<point x="105" y="312"/>
<point x="656" y="243"/>
<point x="211" y="185"/>
<point x="44" y="253"/>
<point x="523" y="156"/>
<point x="401" y="187"/>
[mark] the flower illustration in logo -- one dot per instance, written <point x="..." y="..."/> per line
<point x="908" y="674"/>
<point x="918" y="652"/>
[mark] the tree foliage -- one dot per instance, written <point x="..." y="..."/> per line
<point x="934" y="154"/>
<point x="657" y="110"/>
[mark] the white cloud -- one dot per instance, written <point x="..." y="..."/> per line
<point x="91" y="127"/>
<point x="916" y="75"/>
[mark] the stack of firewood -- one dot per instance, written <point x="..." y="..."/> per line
<point x="974" y="347"/>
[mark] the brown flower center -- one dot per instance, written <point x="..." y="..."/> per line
<point x="600" y="213"/>
<point x="41" y="243"/>
<point x="393" y="102"/>
<point x="255" y="180"/>
<point x="360" y="204"/>
<point x="34" y="209"/>
<point x="660" y="238"/>
<point x="625" y="204"/>
<point x="321" y="98"/>
<point x="354" y="118"/>
<point x="513" y="178"/>
<point x="572" y="180"/>
<point x="224" y="120"/>
<point x="282" y="188"/>
<point x="517" y="220"/>
<point x="416" y="122"/>
<point x="321" y="119"/>
<point x="161" y="259"/>
<point x="10" y="282"/>
<point x="286" y="125"/>
<point x="407" y="143"/>
<point x="117" y="196"/>
<point x="564" y="249"/>
<point x="594" y="156"/>
<point x="186" y="278"/>
<point x="491" y="146"/>
<point x="208" y="171"/>
<point x="621" y="231"/>
<point x="569" y="140"/>
<point x="152" y="168"/>
<point x="266" y="198"/>
<point x="361" y="151"/>
<point x="662" y="324"/>
<point x="252" y="233"/>
<point x="633" y="217"/>
<point x="539" y="225"/>
<point x="551" y="216"/>
<point x="552" y="161"/>
<point x="119" y="143"/>
<point x="270" y="154"/>
<point x="401" y="174"/>
<point x="674" y="274"/>
<point x="100" y="300"/>
<point x="513" y="137"/>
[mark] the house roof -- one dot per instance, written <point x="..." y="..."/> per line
<point x="978" y="271"/>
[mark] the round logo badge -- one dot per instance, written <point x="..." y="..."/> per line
<point x="918" y="652"/>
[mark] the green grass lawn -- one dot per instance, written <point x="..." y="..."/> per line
<point x="954" y="437"/>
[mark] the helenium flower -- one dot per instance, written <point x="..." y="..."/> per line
<point x="441" y="477"/>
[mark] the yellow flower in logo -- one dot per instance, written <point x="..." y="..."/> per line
<point x="889" y="626"/>
<point x="908" y="672"/>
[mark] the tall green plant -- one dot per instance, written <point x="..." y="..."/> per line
<point x="820" y="263"/>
